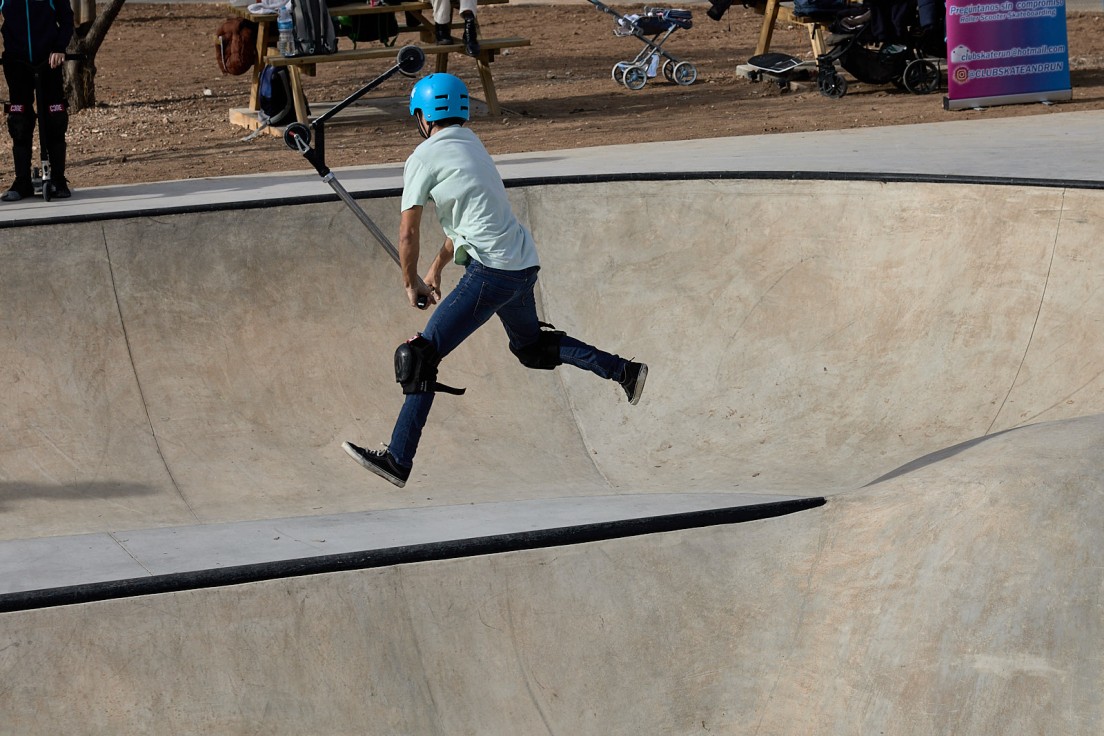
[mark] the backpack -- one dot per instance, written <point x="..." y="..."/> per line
<point x="236" y="45"/>
<point x="813" y="7"/>
<point x="274" y="95"/>
<point x="382" y="27"/>
<point x="314" y="29"/>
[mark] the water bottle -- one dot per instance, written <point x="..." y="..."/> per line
<point x="286" y="26"/>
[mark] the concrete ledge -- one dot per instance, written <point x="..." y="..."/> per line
<point x="55" y="571"/>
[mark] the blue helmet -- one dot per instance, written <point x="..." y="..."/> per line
<point x="439" y="97"/>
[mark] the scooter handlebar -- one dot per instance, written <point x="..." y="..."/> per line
<point x="409" y="60"/>
<point x="297" y="137"/>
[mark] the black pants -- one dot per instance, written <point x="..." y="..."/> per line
<point x="22" y="117"/>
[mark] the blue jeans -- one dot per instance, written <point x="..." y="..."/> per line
<point x="482" y="293"/>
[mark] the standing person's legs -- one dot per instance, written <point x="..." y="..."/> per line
<point x="57" y="123"/>
<point x="471" y="41"/>
<point x="21" y="125"/>
<point x="442" y="18"/>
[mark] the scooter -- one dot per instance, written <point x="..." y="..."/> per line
<point x="298" y="137"/>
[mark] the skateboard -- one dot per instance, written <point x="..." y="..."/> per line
<point x="778" y="67"/>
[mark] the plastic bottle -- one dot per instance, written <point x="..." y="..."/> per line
<point x="286" y="27"/>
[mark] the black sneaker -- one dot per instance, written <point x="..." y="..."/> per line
<point x="471" y="44"/>
<point x="379" y="462"/>
<point x="17" y="192"/>
<point x="61" y="190"/>
<point x="633" y="380"/>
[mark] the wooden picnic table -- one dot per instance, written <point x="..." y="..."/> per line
<point x="776" y="10"/>
<point x="414" y="17"/>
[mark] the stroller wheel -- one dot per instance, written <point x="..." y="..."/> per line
<point x="921" y="77"/>
<point x="684" y="73"/>
<point x="635" y="78"/>
<point x="618" y="72"/>
<point x="669" y="70"/>
<point x="833" y="86"/>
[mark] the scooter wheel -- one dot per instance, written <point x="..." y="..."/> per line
<point x="47" y="191"/>
<point x="295" y="133"/>
<point x="410" y="60"/>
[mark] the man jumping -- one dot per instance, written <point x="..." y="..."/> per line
<point x="453" y="169"/>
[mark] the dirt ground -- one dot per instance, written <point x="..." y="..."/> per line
<point x="159" y="120"/>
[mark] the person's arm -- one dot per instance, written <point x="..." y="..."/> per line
<point x="409" y="251"/>
<point x="63" y="13"/>
<point x="433" y="276"/>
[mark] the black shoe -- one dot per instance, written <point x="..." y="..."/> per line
<point x="17" y="192"/>
<point x="379" y="462"/>
<point x="61" y="190"/>
<point x="444" y="35"/>
<point x="633" y="380"/>
<point x="718" y="9"/>
<point x="855" y="22"/>
<point x="471" y="43"/>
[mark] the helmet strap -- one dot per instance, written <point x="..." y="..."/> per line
<point x="424" y="128"/>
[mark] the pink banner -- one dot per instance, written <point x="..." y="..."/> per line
<point x="1006" y="52"/>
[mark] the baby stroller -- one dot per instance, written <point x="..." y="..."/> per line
<point x="898" y="42"/>
<point x="653" y="28"/>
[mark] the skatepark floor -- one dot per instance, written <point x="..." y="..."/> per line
<point x="858" y="494"/>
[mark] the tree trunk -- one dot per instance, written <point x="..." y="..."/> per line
<point x="80" y="84"/>
<point x="89" y="35"/>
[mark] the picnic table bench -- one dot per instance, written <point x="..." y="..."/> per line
<point x="412" y="20"/>
<point x="775" y="10"/>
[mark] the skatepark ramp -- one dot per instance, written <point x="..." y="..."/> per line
<point x="924" y="355"/>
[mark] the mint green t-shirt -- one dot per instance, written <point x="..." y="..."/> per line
<point x="453" y="169"/>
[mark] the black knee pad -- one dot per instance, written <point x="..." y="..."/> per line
<point x="21" y="123"/>
<point x="57" y="122"/>
<point x="544" y="352"/>
<point x="416" y="362"/>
